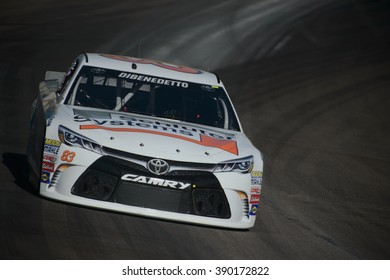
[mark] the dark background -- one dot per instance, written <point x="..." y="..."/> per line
<point x="310" y="81"/>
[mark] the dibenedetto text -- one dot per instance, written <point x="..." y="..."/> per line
<point x="153" y="80"/>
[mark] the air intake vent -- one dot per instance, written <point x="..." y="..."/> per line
<point x="244" y="204"/>
<point x="245" y="207"/>
<point x="57" y="174"/>
<point x="55" y="178"/>
<point x="211" y="203"/>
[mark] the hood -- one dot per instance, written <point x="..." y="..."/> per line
<point x="154" y="137"/>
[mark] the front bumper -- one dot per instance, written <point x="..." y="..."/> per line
<point x="203" y="201"/>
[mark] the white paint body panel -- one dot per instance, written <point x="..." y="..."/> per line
<point x="119" y="131"/>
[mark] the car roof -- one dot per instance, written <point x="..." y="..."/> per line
<point x="150" y="67"/>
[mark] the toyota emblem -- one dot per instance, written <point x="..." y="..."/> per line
<point x="158" y="166"/>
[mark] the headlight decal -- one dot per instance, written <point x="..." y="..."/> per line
<point x="72" y="138"/>
<point x="243" y="165"/>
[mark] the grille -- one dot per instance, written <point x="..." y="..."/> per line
<point x="158" y="198"/>
<point x="188" y="191"/>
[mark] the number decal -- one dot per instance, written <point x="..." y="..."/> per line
<point x="68" y="156"/>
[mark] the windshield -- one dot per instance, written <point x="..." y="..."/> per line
<point x="153" y="96"/>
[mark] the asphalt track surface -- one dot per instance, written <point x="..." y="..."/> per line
<point x="310" y="81"/>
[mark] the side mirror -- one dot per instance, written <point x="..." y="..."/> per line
<point x="55" y="79"/>
<point x="53" y="75"/>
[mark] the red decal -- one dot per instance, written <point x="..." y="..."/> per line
<point x="50" y="158"/>
<point x="178" y="68"/>
<point x="255" y="190"/>
<point x="255" y="198"/>
<point x="226" y="145"/>
<point x="48" y="166"/>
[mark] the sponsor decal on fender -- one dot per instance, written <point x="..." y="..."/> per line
<point x="256" y="181"/>
<point x="183" y="132"/>
<point x="52" y="146"/>
<point x="256" y="173"/>
<point x="256" y="178"/>
<point x="255" y="198"/>
<point x="255" y="190"/>
<point x="45" y="177"/>
<point x="52" y="142"/>
<point x="48" y="166"/>
<point x="155" y="181"/>
<point x="254" y="209"/>
<point x="49" y="158"/>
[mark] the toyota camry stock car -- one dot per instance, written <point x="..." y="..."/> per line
<point x="144" y="137"/>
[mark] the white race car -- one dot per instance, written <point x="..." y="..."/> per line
<point x="144" y="137"/>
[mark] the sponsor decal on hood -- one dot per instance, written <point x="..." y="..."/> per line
<point x="124" y="123"/>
